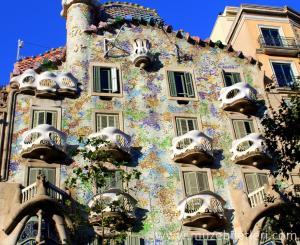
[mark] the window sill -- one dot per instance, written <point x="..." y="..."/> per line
<point x="183" y="98"/>
<point x="107" y="94"/>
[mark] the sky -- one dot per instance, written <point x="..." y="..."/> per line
<point x="39" y="24"/>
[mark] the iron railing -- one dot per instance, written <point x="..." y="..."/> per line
<point x="280" y="81"/>
<point x="278" y="42"/>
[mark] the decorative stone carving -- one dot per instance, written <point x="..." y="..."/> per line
<point x="141" y="56"/>
<point x="44" y="142"/>
<point x="239" y="97"/>
<point x="118" y="143"/>
<point x="193" y="147"/>
<point x="250" y="150"/>
<point x="47" y="84"/>
<point x="203" y="210"/>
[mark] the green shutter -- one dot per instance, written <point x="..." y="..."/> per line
<point x="172" y="84"/>
<point x="191" y="183"/>
<point x="236" y="77"/>
<point x="96" y="78"/>
<point x="202" y="181"/>
<point x="189" y="86"/>
<point x="263" y="179"/>
<point x="251" y="182"/>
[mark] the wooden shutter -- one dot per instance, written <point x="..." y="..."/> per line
<point x="189" y="86"/>
<point x="172" y="84"/>
<point x="114" y="80"/>
<point x="191" y="183"/>
<point x="51" y="118"/>
<point x="202" y="181"/>
<point x="97" y="79"/>
<point x="251" y="182"/>
<point x="263" y="179"/>
<point x="38" y="118"/>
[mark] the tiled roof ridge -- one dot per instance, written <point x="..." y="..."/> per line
<point x="194" y="40"/>
<point x="55" y="55"/>
<point x="110" y="3"/>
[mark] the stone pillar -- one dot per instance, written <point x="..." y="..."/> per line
<point x="38" y="238"/>
<point x="60" y="227"/>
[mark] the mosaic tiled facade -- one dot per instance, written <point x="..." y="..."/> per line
<point x="147" y="113"/>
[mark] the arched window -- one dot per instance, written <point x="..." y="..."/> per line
<point x="39" y="228"/>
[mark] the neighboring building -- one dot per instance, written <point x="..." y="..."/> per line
<point x="190" y="110"/>
<point x="269" y="34"/>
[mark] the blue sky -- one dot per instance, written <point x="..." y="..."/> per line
<point x="39" y="24"/>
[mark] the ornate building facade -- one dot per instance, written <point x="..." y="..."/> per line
<point x="183" y="111"/>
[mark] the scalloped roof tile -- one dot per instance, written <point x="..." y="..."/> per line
<point x="112" y="10"/>
<point x="56" y="55"/>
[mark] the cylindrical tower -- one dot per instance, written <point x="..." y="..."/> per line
<point x="79" y="15"/>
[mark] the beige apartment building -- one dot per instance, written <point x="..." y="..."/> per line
<point x="269" y="34"/>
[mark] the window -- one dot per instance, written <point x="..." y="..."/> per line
<point x="271" y="37"/>
<point x="113" y="182"/>
<point x="106" y="120"/>
<point x="195" y="182"/>
<point x="255" y="180"/>
<point x="284" y="74"/>
<point x="44" y="117"/>
<point x="50" y="174"/>
<point x="132" y="240"/>
<point x="185" y="124"/>
<point x="106" y="80"/>
<point x="232" y="78"/>
<point x="243" y="128"/>
<point x="181" y="84"/>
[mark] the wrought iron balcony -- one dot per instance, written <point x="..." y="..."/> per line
<point x="114" y="205"/>
<point x="286" y="46"/>
<point x="44" y="142"/>
<point x="279" y="82"/>
<point x="203" y="210"/>
<point x="47" y="84"/>
<point x="117" y="143"/>
<point x="239" y="97"/>
<point x="250" y="150"/>
<point x="193" y="147"/>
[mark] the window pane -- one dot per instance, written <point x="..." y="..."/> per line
<point x="190" y="181"/>
<point x="251" y="182"/>
<point x="185" y="125"/>
<point x="179" y="81"/>
<point x="271" y="37"/>
<point x="202" y="181"/>
<point x="44" y="117"/>
<point x="243" y="128"/>
<point x="50" y="174"/>
<point x="232" y="78"/>
<point x="105" y="80"/>
<point x="263" y="179"/>
<point x="106" y="120"/>
<point x="284" y="74"/>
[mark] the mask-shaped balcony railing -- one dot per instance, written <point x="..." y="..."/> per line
<point x="117" y="143"/>
<point x="141" y="56"/>
<point x="114" y="205"/>
<point x="47" y="84"/>
<point x="203" y="210"/>
<point x="193" y="147"/>
<point x="239" y="97"/>
<point x="44" y="142"/>
<point x="250" y="150"/>
<point x="279" y="45"/>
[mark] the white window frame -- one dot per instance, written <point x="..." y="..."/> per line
<point x="188" y="116"/>
<point x="176" y="69"/>
<point x="58" y="111"/>
<point x="106" y="65"/>
<point x="195" y="169"/>
<point x="279" y="28"/>
<point x="118" y="113"/>
<point x="232" y="70"/>
<point x="254" y="171"/>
